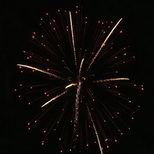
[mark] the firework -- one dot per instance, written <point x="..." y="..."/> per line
<point x="79" y="82"/>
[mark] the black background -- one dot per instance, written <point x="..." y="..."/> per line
<point x="20" y="17"/>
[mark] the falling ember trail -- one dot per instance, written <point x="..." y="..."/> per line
<point x="76" y="119"/>
<point x="77" y="101"/>
<point x="95" y="130"/>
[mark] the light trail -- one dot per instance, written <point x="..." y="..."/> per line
<point x="72" y="34"/>
<point x="103" y="44"/>
<point x="39" y="70"/>
<point x="110" y="80"/>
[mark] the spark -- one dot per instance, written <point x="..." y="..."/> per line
<point x="103" y="44"/>
<point x="54" y="98"/>
<point x="72" y="34"/>
<point x="71" y="85"/>
<point x="110" y="80"/>
<point x="77" y="101"/>
<point x="80" y="69"/>
<point x="95" y="130"/>
<point x="39" y="70"/>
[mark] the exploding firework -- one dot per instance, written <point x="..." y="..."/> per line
<point x="77" y="82"/>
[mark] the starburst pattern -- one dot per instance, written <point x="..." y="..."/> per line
<point x="78" y="83"/>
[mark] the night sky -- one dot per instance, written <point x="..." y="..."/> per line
<point x="19" y="18"/>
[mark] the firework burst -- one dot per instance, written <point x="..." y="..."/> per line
<point x="77" y="82"/>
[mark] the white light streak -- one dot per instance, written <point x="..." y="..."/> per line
<point x="95" y="130"/>
<point x="80" y="69"/>
<point x="54" y="98"/>
<point x="110" y="80"/>
<point x="71" y="85"/>
<point x="103" y="44"/>
<point x="72" y="34"/>
<point x="39" y="70"/>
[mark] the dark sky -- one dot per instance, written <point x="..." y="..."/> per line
<point x="20" y="17"/>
